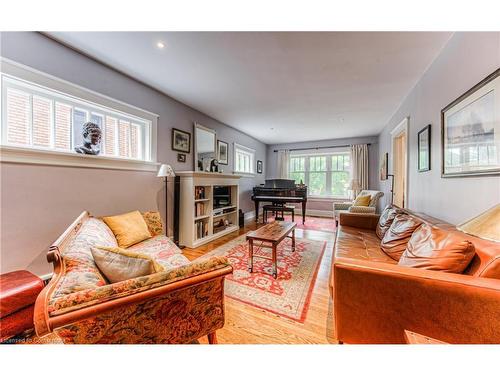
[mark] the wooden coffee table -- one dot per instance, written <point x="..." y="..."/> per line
<point x="270" y="236"/>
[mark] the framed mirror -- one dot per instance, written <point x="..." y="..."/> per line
<point x="205" y="156"/>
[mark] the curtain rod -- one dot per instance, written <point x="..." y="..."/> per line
<point x="316" y="148"/>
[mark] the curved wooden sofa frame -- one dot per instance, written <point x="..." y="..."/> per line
<point x="45" y="324"/>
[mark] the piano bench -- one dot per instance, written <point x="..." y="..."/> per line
<point x="277" y="209"/>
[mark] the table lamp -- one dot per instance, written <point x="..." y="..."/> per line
<point x="354" y="186"/>
<point x="166" y="171"/>
<point x="485" y="226"/>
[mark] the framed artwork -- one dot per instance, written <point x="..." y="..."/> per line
<point x="470" y="131"/>
<point x="383" y="166"/>
<point x="424" y="149"/>
<point x="259" y="166"/>
<point x="181" y="158"/>
<point x="222" y="152"/>
<point x="181" y="141"/>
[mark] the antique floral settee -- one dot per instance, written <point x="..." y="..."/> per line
<point x="178" y="305"/>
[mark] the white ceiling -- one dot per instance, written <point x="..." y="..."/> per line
<point x="277" y="87"/>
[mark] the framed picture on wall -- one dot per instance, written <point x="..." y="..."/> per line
<point x="470" y="131"/>
<point x="259" y="166"/>
<point x="181" y="158"/>
<point x="181" y="141"/>
<point x="222" y="152"/>
<point x="424" y="149"/>
<point x="384" y="161"/>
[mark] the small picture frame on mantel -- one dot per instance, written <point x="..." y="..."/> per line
<point x="424" y="149"/>
<point x="222" y="152"/>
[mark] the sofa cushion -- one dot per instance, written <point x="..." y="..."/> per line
<point x="81" y="272"/>
<point x="129" y="228"/>
<point x="358" y="243"/>
<point x="398" y="235"/>
<point x="435" y="249"/>
<point x="118" y="264"/>
<point x="385" y="220"/>
<point x="162" y="250"/>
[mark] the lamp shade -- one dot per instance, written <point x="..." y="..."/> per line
<point x="486" y="225"/>
<point x="165" y="171"/>
<point x="354" y="185"/>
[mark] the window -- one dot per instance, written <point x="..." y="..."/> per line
<point x="42" y="118"/>
<point x="244" y="159"/>
<point x="326" y="175"/>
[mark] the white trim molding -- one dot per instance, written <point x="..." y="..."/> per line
<point x="41" y="157"/>
<point x="402" y="127"/>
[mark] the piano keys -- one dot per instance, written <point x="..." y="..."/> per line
<point x="280" y="191"/>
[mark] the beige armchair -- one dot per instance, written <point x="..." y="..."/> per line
<point x="348" y="206"/>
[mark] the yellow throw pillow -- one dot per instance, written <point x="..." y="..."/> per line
<point x="362" y="201"/>
<point x="129" y="228"/>
<point x="119" y="264"/>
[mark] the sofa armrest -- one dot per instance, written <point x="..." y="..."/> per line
<point x="359" y="220"/>
<point x="376" y="302"/>
<point x="362" y="209"/>
<point x="50" y="314"/>
<point x="341" y="206"/>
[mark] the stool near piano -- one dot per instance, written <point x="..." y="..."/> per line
<point x="18" y="292"/>
<point x="279" y="191"/>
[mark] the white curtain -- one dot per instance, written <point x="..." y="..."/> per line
<point x="359" y="165"/>
<point x="283" y="163"/>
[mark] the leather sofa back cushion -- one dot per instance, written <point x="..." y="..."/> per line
<point x="398" y="235"/>
<point x="435" y="249"/>
<point x="385" y="221"/>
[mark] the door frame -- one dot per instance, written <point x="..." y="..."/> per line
<point x="402" y="127"/>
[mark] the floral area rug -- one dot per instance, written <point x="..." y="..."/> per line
<point x="323" y="224"/>
<point x="289" y="294"/>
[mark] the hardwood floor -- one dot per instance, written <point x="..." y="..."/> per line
<point x="250" y="325"/>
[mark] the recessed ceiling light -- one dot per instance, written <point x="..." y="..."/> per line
<point x="160" y="45"/>
<point x="272" y="128"/>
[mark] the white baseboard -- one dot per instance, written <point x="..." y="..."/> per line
<point x="250" y="215"/>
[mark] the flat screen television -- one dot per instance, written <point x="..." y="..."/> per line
<point x="222" y="196"/>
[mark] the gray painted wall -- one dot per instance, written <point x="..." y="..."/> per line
<point x="463" y="62"/>
<point x="39" y="202"/>
<point x="326" y="204"/>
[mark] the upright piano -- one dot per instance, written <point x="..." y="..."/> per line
<point x="280" y="191"/>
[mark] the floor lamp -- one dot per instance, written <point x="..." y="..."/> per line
<point x="392" y="187"/>
<point x="166" y="171"/>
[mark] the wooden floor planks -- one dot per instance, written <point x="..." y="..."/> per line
<point x="250" y="325"/>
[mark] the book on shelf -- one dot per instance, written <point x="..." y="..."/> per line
<point x="201" y="229"/>
<point x="199" y="209"/>
<point x="199" y="192"/>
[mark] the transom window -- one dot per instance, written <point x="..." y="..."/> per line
<point x="326" y="175"/>
<point x="40" y="118"/>
<point x="244" y="159"/>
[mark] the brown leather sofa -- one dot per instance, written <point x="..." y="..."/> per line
<point x="376" y="300"/>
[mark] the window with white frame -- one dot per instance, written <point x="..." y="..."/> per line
<point x="326" y="175"/>
<point x="244" y="159"/>
<point x="40" y="118"/>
